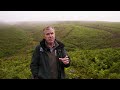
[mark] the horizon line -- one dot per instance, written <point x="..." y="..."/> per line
<point x="55" y="21"/>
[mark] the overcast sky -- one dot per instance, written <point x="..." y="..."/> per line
<point x="13" y="16"/>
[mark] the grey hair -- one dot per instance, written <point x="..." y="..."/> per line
<point x="48" y="28"/>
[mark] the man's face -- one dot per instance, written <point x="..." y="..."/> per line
<point x="49" y="35"/>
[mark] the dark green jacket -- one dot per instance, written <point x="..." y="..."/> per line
<point x="40" y="65"/>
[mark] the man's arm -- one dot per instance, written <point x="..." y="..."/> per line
<point x="34" y="62"/>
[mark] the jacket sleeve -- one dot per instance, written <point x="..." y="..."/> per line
<point x="34" y="62"/>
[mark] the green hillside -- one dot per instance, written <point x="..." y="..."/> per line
<point x="94" y="48"/>
<point x="11" y="40"/>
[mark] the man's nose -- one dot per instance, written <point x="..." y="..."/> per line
<point x="50" y="35"/>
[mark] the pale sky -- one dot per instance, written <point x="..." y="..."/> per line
<point x="13" y="16"/>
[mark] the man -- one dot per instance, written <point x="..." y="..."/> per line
<point x="49" y="58"/>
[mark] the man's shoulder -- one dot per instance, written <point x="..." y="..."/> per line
<point x="61" y="45"/>
<point x="38" y="46"/>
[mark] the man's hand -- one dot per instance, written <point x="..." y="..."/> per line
<point x="65" y="60"/>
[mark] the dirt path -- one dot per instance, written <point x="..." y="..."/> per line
<point x="108" y="29"/>
<point x="68" y="33"/>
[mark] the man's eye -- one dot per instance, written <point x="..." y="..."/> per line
<point x="47" y="34"/>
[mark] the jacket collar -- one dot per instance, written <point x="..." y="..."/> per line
<point x="43" y="45"/>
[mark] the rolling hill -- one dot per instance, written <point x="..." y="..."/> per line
<point x="94" y="48"/>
